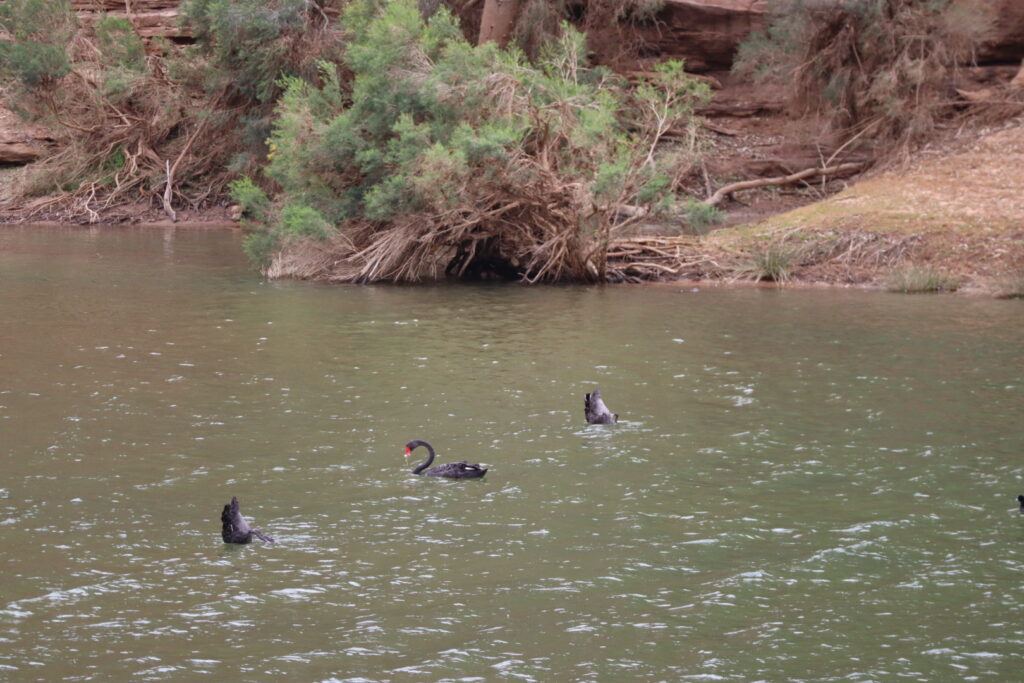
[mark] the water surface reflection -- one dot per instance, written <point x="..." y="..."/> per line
<point x="804" y="484"/>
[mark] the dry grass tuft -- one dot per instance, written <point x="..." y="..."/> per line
<point x="918" y="279"/>
<point x="1006" y="286"/>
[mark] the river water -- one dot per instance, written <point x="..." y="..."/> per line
<point x="804" y="485"/>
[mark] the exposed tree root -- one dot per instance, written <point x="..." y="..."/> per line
<point x="833" y="256"/>
<point x="530" y="237"/>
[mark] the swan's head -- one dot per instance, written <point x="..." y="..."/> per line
<point x="413" y="445"/>
<point x="409" y="448"/>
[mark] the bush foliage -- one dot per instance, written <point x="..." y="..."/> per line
<point x="40" y="31"/>
<point x="404" y="150"/>
<point x="252" y="44"/>
<point x="881" y="66"/>
<point x="445" y="157"/>
<point x="126" y="123"/>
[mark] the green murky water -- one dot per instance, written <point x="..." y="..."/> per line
<point x="812" y="485"/>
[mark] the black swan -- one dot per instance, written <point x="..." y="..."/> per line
<point x="236" y="529"/>
<point x="596" y="411"/>
<point x="1020" y="499"/>
<point x="452" y="470"/>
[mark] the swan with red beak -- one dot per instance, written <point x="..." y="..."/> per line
<point x="451" y="470"/>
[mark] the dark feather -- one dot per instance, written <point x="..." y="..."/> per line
<point x="452" y="470"/>
<point x="234" y="528"/>
<point x="596" y="411"/>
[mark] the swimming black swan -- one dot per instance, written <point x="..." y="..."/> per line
<point x="596" y="411"/>
<point x="452" y="470"/>
<point x="1020" y="499"/>
<point x="236" y="529"/>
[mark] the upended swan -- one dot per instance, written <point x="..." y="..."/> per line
<point x="451" y="470"/>
<point x="596" y="411"/>
<point x="235" y="529"/>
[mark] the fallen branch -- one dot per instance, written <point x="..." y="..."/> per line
<point x="168" y="209"/>
<point x="655" y="266"/>
<point x="722" y="193"/>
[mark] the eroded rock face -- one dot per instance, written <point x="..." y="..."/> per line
<point x="707" y="32"/>
<point x="151" y="18"/>
<point x="1004" y="37"/>
<point x="18" y="152"/>
<point x="19" y="143"/>
<point x="704" y="32"/>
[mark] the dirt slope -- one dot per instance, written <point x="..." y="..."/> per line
<point x="960" y="210"/>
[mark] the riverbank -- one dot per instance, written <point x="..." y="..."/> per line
<point x="956" y="212"/>
<point x="951" y="219"/>
<point x="761" y="177"/>
<point x="954" y="215"/>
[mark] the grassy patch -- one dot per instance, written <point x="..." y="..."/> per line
<point x="1008" y="286"/>
<point x="698" y="217"/>
<point x="773" y="263"/>
<point x="920" y="279"/>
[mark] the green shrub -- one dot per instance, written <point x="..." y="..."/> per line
<point x="36" y="56"/>
<point x="699" y="216"/>
<point x="259" y="245"/>
<point x="455" y="144"/>
<point x="297" y="220"/>
<point x="119" y="44"/>
<point x="254" y="43"/>
<point x="294" y="221"/>
<point x="920" y="279"/>
<point x="34" y="64"/>
<point x="122" y="56"/>
<point x="254" y="201"/>
<point x="115" y="162"/>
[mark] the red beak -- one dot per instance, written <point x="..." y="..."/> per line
<point x="407" y="451"/>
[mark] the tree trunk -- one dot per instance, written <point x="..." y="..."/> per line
<point x="498" y="20"/>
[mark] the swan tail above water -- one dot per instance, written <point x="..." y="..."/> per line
<point x="234" y="528"/>
<point x="596" y="411"/>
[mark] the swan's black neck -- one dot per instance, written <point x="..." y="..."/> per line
<point x="412" y="445"/>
